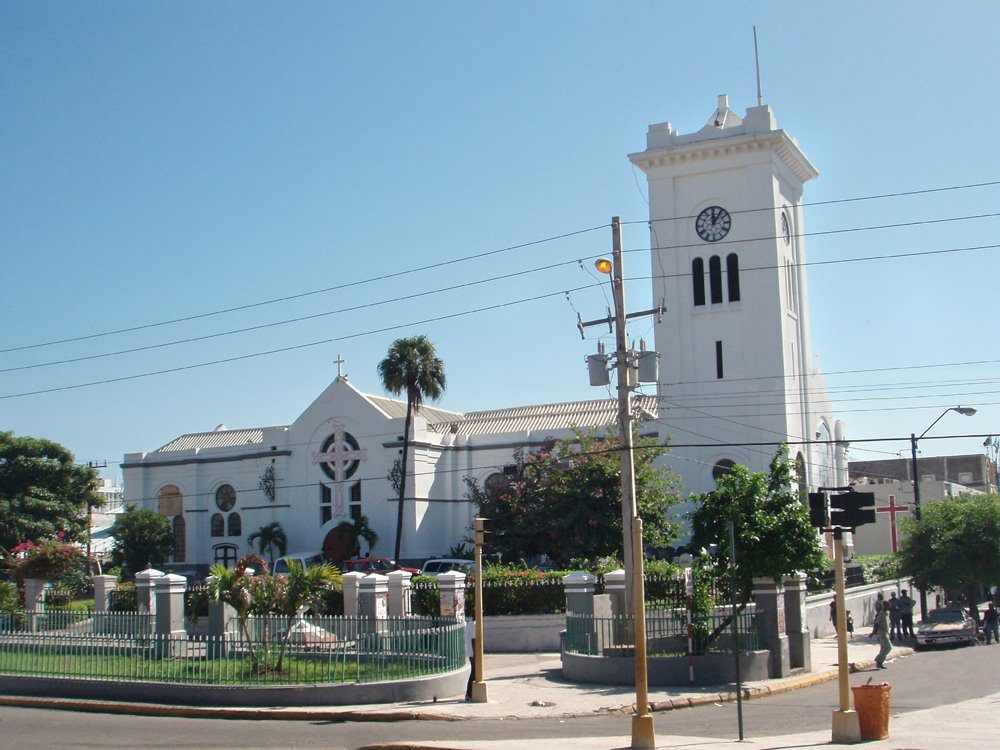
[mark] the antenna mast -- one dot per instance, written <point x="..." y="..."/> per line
<point x="756" y="58"/>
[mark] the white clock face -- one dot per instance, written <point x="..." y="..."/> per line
<point x="713" y="223"/>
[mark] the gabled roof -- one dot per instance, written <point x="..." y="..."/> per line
<point x="537" y="418"/>
<point x="221" y="438"/>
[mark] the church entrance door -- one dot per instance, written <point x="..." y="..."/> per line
<point x="338" y="546"/>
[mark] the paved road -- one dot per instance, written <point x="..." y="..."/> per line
<point x="922" y="681"/>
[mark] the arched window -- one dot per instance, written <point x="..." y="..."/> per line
<point x="180" y="539"/>
<point x="235" y="524"/>
<point x="733" y="276"/>
<point x="721" y="468"/>
<point x="225" y="554"/>
<point x="698" y="278"/>
<point x="715" y="278"/>
<point x="170" y="502"/>
<point x="218" y="525"/>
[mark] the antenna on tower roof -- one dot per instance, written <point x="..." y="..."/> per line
<point x="756" y="58"/>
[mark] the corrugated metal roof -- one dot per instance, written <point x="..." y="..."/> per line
<point x="543" y="417"/>
<point x="397" y="409"/>
<point x="214" y="439"/>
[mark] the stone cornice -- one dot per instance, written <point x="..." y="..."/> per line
<point x="775" y="141"/>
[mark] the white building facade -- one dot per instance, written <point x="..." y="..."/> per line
<point x="728" y="262"/>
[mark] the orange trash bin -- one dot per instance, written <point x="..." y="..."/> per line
<point x="872" y="704"/>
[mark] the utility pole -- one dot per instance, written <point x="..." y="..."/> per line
<point x="626" y="364"/>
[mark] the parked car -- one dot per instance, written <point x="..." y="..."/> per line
<point x="307" y="559"/>
<point x="946" y="625"/>
<point x="380" y="565"/>
<point x="439" y="565"/>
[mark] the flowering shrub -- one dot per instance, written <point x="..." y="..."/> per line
<point x="48" y="559"/>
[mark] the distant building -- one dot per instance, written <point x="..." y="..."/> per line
<point x="893" y="503"/>
<point x="974" y="471"/>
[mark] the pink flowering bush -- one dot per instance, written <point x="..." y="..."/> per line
<point x="50" y="558"/>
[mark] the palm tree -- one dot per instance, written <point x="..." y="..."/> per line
<point x="270" y="539"/>
<point x="356" y="530"/>
<point x="411" y="366"/>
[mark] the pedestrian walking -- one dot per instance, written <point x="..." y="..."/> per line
<point x="881" y="630"/>
<point x="991" y="621"/>
<point x="895" y="622"/>
<point x="906" y="605"/>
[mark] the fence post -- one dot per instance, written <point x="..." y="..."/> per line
<point x="104" y="587"/>
<point x="373" y="593"/>
<point x="169" y="614"/>
<point x="144" y="595"/>
<point x="400" y="593"/>
<point x="451" y="595"/>
<point x="579" y="589"/>
<point x="796" y="624"/>
<point x="614" y="585"/>
<point x="769" y="595"/>
<point x="34" y="601"/>
<point x="351" y="584"/>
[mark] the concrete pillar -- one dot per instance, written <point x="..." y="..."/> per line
<point x="769" y="596"/>
<point x="373" y="604"/>
<point x="400" y="593"/>
<point x="104" y="587"/>
<point x="451" y="592"/>
<point x="34" y="601"/>
<point x="796" y="623"/>
<point x="614" y="586"/>
<point x="581" y="630"/>
<point x="351" y="584"/>
<point x="169" y="616"/>
<point x="144" y="590"/>
<point x="223" y="629"/>
<point x="579" y="588"/>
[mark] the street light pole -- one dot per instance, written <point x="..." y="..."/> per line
<point x="965" y="411"/>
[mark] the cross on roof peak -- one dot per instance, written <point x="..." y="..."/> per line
<point x="339" y="361"/>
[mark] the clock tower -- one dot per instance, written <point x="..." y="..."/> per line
<point x="728" y="262"/>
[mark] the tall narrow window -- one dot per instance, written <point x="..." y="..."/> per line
<point x="235" y="524"/>
<point x="698" y="278"/>
<point x="733" y="276"/>
<point x="715" y="278"/>
<point x="218" y="525"/>
<point x="718" y="360"/>
<point x="180" y="539"/>
<point x="356" y="501"/>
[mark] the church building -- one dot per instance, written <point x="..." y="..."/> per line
<point x="728" y="264"/>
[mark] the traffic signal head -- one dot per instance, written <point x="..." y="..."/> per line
<point x="852" y="509"/>
<point x="817" y="509"/>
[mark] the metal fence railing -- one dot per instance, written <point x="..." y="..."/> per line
<point x="666" y="633"/>
<point x="317" y="651"/>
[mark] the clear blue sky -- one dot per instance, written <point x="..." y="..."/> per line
<point x="165" y="160"/>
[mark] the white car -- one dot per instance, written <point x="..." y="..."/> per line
<point x="440" y="565"/>
<point x="947" y="625"/>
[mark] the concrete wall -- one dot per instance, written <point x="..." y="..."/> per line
<point x="522" y="633"/>
<point x="860" y="603"/>
<point x="421" y="689"/>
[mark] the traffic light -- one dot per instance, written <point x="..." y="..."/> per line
<point x="817" y="509"/>
<point x="852" y="509"/>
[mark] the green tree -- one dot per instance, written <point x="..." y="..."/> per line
<point x="42" y="492"/>
<point x="142" y="537"/>
<point x="264" y="594"/>
<point x="564" y="501"/>
<point x="954" y="545"/>
<point x="771" y="525"/>
<point x="412" y="367"/>
<point x="270" y="539"/>
<point x="354" y="531"/>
